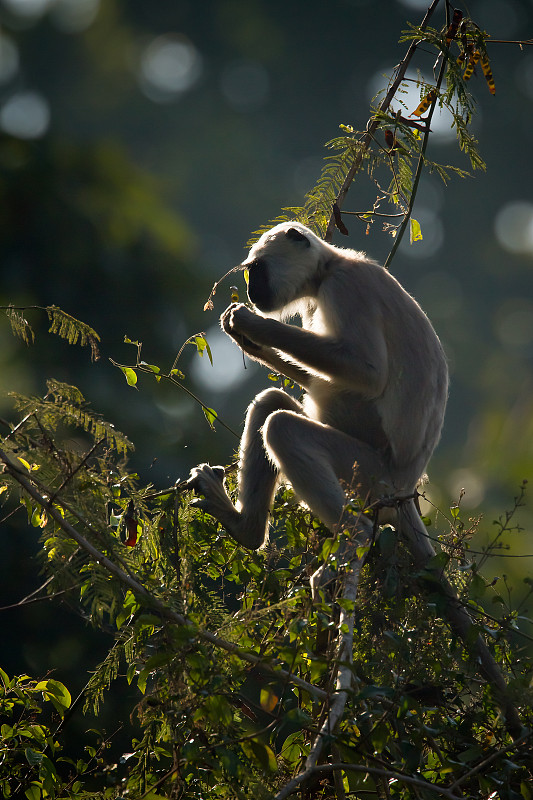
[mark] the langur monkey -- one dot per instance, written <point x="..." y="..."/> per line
<point x="375" y="380"/>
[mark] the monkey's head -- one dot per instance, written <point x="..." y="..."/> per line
<point x="285" y="265"/>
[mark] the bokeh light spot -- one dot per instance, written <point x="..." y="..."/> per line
<point x="28" y="8"/>
<point x="408" y="99"/>
<point x="74" y="16"/>
<point x="514" y="227"/>
<point x="514" y="322"/>
<point x="227" y="371"/>
<point x="169" y="66"/>
<point x="472" y="484"/>
<point x="432" y="236"/>
<point x="25" y="115"/>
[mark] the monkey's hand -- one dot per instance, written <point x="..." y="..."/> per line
<point x="209" y="481"/>
<point x="236" y="322"/>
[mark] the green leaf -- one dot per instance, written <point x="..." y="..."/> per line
<point x="261" y="753"/>
<point x="33" y="792"/>
<point x="131" y="376"/>
<point x="57" y="693"/>
<point x="33" y="757"/>
<point x="477" y="588"/>
<point x="268" y="699"/>
<point x="151" y="367"/>
<point x="415" y="231"/>
<point x="73" y="330"/>
<point x="210" y="415"/>
<point x="202" y="346"/>
<point x="329" y="546"/>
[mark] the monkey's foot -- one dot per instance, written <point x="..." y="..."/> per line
<point x="209" y="481"/>
<point x="249" y="531"/>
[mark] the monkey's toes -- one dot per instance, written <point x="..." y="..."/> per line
<point x="203" y="476"/>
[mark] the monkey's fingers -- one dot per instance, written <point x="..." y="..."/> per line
<point x="202" y="478"/>
<point x="225" y="317"/>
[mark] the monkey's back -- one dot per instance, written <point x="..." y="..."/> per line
<point x="405" y="420"/>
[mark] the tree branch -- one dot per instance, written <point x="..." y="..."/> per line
<point x="373" y="124"/>
<point x="344" y="659"/>
<point x="458" y="617"/>
<point x="18" y="473"/>
<point x="420" y="164"/>
<point x="418" y="783"/>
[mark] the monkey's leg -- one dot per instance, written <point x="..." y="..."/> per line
<point x="322" y="463"/>
<point x="247" y="522"/>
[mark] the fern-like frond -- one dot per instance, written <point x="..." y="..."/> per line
<point x="73" y="330"/>
<point x="65" y="404"/>
<point x="102" y="678"/>
<point x="20" y="325"/>
<point x="70" y="404"/>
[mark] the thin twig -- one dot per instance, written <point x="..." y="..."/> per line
<point x="374" y="123"/>
<point x="420" y="164"/>
<point x="418" y="783"/>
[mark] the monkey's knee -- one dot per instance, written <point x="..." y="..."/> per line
<point x="278" y="432"/>
<point x="267" y="403"/>
<point x="271" y="400"/>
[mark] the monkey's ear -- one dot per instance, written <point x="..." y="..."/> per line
<point x="297" y="236"/>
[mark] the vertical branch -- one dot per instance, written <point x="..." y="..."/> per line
<point x="374" y="123"/>
<point x="344" y="677"/>
<point x="421" y="158"/>
<point x="458" y="617"/>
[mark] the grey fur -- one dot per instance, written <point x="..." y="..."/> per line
<point x="374" y="373"/>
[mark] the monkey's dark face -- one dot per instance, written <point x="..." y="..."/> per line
<point x="259" y="290"/>
<point x="281" y="267"/>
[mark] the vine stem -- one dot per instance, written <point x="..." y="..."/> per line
<point x="374" y="123"/>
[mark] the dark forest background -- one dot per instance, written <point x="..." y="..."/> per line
<point x="140" y="145"/>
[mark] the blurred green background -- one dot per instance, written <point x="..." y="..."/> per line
<point x="142" y="142"/>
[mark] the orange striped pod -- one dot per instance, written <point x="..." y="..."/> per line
<point x="487" y="72"/>
<point x="474" y="58"/>
<point x="424" y="104"/>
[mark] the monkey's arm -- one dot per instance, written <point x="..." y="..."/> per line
<point x="267" y="355"/>
<point x="361" y="365"/>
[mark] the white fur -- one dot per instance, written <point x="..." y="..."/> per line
<point x="375" y="378"/>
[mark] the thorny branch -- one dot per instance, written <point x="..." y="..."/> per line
<point x="420" y="164"/>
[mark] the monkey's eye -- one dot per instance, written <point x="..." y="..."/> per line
<point x="296" y="236"/>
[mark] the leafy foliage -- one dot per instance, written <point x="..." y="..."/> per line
<point x="233" y="667"/>
<point x="392" y="149"/>
<point x="231" y="659"/>
<point x="61" y="324"/>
